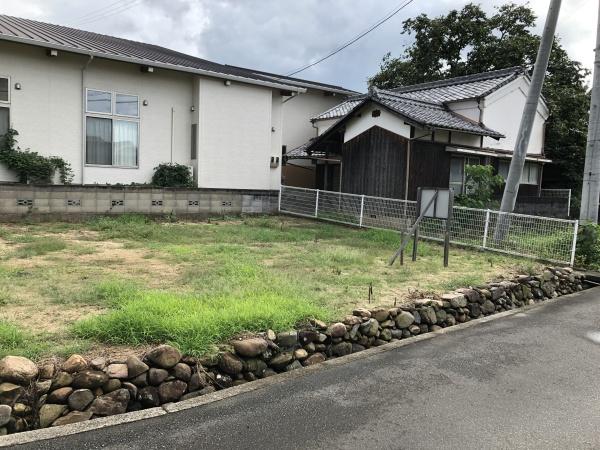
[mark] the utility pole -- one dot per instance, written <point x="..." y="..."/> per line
<point x="517" y="162"/>
<point x="590" y="193"/>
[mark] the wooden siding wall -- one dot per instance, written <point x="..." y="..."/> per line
<point x="374" y="163"/>
<point x="429" y="167"/>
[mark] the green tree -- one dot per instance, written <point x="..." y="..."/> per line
<point x="469" y="41"/>
<point x="480" y="186"/>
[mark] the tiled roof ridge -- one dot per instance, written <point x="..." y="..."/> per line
<point x="464" y="79"/>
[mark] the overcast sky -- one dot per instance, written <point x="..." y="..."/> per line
<point x="282" y="35"/>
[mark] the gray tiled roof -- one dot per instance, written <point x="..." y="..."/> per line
<point x="440" y="92"/>
<point x="85" y="42"/>
<point x="431" y="114"/>
<point x="460" y="88"/>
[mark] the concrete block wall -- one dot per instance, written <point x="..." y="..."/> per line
<point x="69" y="202"/>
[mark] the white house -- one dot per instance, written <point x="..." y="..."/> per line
<point x="115" y="109"/>
<point x="389" y="142"/>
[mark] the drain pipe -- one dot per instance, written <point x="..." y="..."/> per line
<point x="83" y="109"/>
<point x="172" y="132"/>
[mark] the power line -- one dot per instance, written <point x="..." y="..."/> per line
<point x="96" y="11"/>
<point x="352" y="41"/>
<point x="122" y="8"/>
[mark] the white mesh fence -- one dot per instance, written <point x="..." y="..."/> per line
<point x="534" y="237"/>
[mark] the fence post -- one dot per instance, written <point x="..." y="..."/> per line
<point x="362" y="208"/>
<point x="486" y="227"/>
<point x="279" y="201"/>
<point x="569" y="205"/>
<point x="317" y="205"/>
<point x="574" y="247"/>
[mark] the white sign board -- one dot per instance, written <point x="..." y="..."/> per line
<point x="439" y="208"/>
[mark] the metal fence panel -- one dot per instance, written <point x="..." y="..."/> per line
<point x="534" y="237"/>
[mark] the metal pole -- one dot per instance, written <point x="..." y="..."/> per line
<point x="362" y="208"/>
<point x="416" y="234"/>
<point x="279" y="201"/>
<point x="486" y="227"/>
<point x="590" y="193"/>
<point x="569" y="205"/>
<point x="317" y="205"/>
<point x="574" y="246"/>
<point x="448" y="225"/>
<point x="513" y="179"/>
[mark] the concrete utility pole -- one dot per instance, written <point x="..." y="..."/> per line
<point x="533" y="97"/>
<point x="590" y="193"/>
<point x="511" y="189"/>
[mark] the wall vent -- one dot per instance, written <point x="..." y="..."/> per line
<point x="24" y="202"/>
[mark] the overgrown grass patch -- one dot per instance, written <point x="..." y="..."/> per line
<point x="40" y="246"/>
<point x="194" y="324"/>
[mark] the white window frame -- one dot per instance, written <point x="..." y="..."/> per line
<point x="7" y="102"/>
<point x="112" y="117"/>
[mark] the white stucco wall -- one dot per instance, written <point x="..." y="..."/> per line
<point x="325" y="124"/>
<point x="235" y="138"/>
<point x="297" y="112"/>
<point x="48" y="110"/>
<point x="164" y="91"/>
<point x="467" y="108"/>
<point x="387" y="120"/>
<point x="502" y="111"/>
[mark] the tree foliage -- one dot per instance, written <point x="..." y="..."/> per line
<point x="31" y="167"/>
<point x="469" y="41"/>
<point x="480" y="186"/>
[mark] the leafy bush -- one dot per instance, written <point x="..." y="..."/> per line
<point x="172" y="175"/>
<point x="31" y="167"/>
<point x="480" y="185"/>
<point x="588" y="245"/>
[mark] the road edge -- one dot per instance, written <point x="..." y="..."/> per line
<point x="105" y="422"/>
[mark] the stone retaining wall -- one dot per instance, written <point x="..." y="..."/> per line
<point x="73" y="201"/>
<point x="79" y="390"/>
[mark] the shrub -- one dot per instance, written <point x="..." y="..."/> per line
<point x="480" y="185"/>
<point x="588" y="245"/>
<point x="172" y="175"/>
<point x="31" y="167"/>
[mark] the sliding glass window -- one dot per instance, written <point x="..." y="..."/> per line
<point x="112" y="129"/>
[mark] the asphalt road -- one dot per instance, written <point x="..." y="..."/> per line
<point x="525" y="381"/>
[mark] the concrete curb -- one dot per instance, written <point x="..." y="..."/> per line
<point x="65" y="430"/>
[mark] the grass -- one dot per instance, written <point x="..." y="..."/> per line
<point x="130" y="281"/>
<point x="40" y="246"/>
<point x="193" y="324"/>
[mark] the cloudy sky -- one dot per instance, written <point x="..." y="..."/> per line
<point x="282" y="35"/>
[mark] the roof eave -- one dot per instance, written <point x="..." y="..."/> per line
<point x="152" y="63"/>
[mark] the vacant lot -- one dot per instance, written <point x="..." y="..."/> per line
<point x="115" y="283"/>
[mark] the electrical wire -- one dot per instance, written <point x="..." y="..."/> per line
<point x="353" y="40"/>
<point x="122" y="8"/>
<point x="96" y="11"/>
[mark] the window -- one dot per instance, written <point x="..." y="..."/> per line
<point x="4" y="111"/>
<point x="530" y="175"/>
<point x="4" y="91"/>
<point x="457" y="172"/>
<point x="112" y="129"/>
<point x="194" y="149"/>
<point x="4" y="121"/>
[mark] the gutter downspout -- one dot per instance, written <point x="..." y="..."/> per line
<point x="172" y="132"/>
<point x="83" y="110"/>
